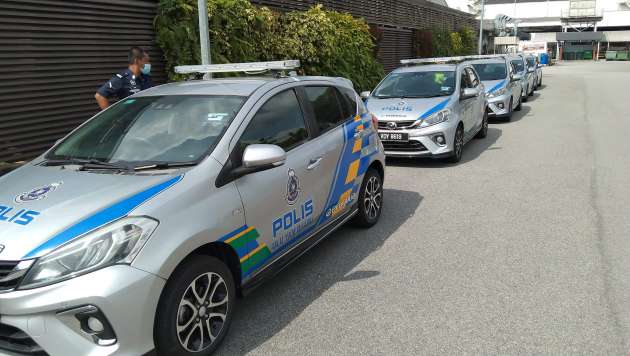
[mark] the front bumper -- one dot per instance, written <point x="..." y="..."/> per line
<point x="126" y="296"/>
<point x="422" y="142"/>
<point x="499" y="105"/>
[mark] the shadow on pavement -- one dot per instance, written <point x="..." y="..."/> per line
<point x="516" y="115"/>
<point x="473" y="149"/>
<point x="270" y="308"/>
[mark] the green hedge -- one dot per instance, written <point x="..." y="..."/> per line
<point x="459" y="43"/>
<point x="326" y="42"/>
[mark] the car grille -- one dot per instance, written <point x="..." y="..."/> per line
<point x="15" y="340"/>
<point x="400" y="125"/>
<point x="411" y="146"/>
<point x="10" y="277"/>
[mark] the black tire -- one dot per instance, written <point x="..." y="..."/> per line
<point x="197" y="269"/>
<point x="370" y="200"/>
<point x="458" y="145"/>
<point x="526" y="97"/>
<point x="508" y="117"/>
<point x="483" y="132"/>
<point x="519" y="106"/>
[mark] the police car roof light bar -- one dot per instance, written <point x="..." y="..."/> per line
<point x="446" y="60"/>
<point x="438" y="60"/>
<point x="239" y="67"/>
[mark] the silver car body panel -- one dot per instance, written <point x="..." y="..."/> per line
<point x="252" y="215"/>
<point x="409" y="111"/>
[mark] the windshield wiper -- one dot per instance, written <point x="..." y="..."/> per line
<point x="162" y="165"/>
<point x="86" y="164"/>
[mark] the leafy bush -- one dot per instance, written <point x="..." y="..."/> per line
<point x="459" y="43"/>
<point x="326" y="42"/>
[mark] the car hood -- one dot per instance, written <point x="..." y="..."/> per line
<point x="406" y="109"/>
<point x="494" y="85"/>
<point x="42" y="208"/>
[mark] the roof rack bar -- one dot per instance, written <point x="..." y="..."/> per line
<point x="239" y="67"/>
<point x="448" y="60"/>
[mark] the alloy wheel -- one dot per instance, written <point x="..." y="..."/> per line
<point x="373" y="198"/>
<point x="202" y="312"/>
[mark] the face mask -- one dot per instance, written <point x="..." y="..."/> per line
<point x="146" y="69"/>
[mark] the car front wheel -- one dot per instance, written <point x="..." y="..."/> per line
<point x="196" y="307"/>
<point x="458" y="145"/>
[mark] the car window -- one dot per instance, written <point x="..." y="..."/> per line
<point x="463" y="81"/>
<point x="326" y="106"/>
<point x="349" y="97"/>
<point x="518" y="64"/>
<point x="424" y="84"/>
<point x="279" y="121"/>
<point x="474" y="81"/>
<point x="173" y="128"/>
<point x="491" y="71"/>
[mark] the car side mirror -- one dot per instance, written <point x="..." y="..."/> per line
<point x="516" y="77"/>
<point x="530" y="70"/>
<point x="365" y="94"/>
<point x="259" y="157"/>
<point x="539" y="65"/>
<point x="468" y="93"/>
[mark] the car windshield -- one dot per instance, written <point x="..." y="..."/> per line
<point x="157" y="129"/>
<point x="417" y="85"/>
<point x="531" y="62"/>
<point x="518" y="64"/>
<point x="491" y="71"/>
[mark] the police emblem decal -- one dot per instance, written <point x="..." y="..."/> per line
<point x="293" y="187"/>
<point x="37" y="193"/>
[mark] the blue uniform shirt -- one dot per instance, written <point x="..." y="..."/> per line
<point x="125" y="84"/>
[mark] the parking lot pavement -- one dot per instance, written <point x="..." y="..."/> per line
<point x="522" y="248"/>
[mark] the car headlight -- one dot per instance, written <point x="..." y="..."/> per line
<point x="498" y="92"/>
<point x="438" y="117"/>
<point x="116" y="243"/>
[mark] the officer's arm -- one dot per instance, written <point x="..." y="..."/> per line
<point x="107" y="90"/>
<point x="102" y="101"/>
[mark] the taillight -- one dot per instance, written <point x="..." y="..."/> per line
<point x="375" y="122"/>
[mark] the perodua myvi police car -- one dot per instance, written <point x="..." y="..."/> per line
<point x="526" y="74"/>
<point x="139" y="229"/>
<point x="533" y="63"/>
<point x="503" y="87"/>
<point x="430" y="108"/>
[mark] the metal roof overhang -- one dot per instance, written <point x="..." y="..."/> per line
<point x="580" y="36"/>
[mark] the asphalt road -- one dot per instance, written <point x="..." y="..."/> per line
<point x="522" y="248"/>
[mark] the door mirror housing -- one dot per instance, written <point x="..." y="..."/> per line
<point x="365" y="94"/>
<point x="257" y="158"/>
<point x="468" y="93"/>
<point x="261" y="156"/>
<point x="530" y="70"/>
<point x="516" y="77"/>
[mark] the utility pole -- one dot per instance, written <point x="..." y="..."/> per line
<point x="481" y="25"/>
<point x="204" y="36"/>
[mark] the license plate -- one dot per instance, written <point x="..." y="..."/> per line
<point x="394" y="136"/>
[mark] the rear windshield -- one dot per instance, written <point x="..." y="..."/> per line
<point x="518" y="64"/>
<point x="491" y="71"/>
<point x="168" y="129"/>
<point x="417" y="85"/>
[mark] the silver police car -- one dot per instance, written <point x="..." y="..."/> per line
<point x="527" y="75"/>
<point x="139" y="229"/>
<point x="534" y="63"/>
<point x="503" y="86"/>
<point x="430" y="108"/>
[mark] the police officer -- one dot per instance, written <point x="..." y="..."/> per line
<point x="132" y="80"/>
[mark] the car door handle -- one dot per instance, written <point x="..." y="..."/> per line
<point x="314" y="163"/>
